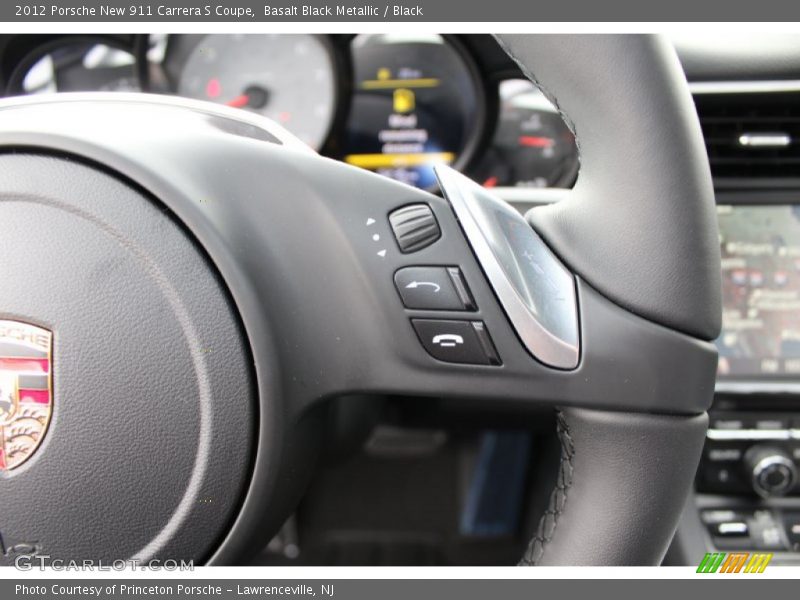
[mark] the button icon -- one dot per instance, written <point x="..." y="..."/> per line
<point x="415" y="284"/>
<point x="448" y="340"/>
<point x="404" y="101"/>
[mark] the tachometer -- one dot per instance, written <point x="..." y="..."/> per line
<point x="532" y="146"/>
<point x="288" y="78"/>
<point x="416" y="103"/>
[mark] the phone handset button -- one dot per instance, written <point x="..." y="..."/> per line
<point x="466" y="342"/>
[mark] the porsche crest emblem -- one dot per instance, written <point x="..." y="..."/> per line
<point x="26" y="399"/>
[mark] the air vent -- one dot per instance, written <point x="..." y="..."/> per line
<point x="751" y="135"/>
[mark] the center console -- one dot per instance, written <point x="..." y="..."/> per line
<point x="748" y="482"/>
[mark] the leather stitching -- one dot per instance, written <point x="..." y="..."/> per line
<point x="558" y="498"/>
<point x="547" y="93"/>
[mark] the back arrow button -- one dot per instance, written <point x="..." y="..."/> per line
<point x="433" y="288"/>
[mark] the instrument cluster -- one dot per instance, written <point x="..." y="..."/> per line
<point x="396" y="104"/>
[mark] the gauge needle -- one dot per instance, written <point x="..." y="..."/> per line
<point x="534" y="141"/>
<point x="239" y="102"/>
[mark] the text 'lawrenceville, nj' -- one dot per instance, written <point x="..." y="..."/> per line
<point x="366" y="10"/>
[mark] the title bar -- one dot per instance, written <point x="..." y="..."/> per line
<point x="450" y="11"/>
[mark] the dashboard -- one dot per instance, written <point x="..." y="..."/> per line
<point x="396" y="104"/>
<point x="399" y="104"/>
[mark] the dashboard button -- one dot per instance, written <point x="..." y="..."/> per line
<point x="721" y="515"/>
<point x="771" y="469"/>
<point x="766" y="531"/>
<point x="414" y="227"/>
<point x="722" y="477"/>
<point x="729" y="423"/>
<point x="772" y="423"/>
<point x="724" y="454"/>
<point x="732" y="529"/>
<point x="433" y="288"/>
<point x="466" y="342"/>
<point x="791" y="521"/>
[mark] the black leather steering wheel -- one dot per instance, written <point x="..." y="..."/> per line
<point x="210" y="284"/>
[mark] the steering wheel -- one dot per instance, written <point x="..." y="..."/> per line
<point x="186" y="286"/>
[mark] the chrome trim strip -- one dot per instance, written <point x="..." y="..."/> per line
<point x="753" y="434"/>
<point x="765" y="140"/>
<point x="743" y="87"/>
<point x="757" y="386"/>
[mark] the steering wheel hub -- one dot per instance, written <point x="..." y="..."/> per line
<point x="148" y="449"/>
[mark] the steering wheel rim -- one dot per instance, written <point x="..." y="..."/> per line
<point x="324" y="319"/>
<point x="644" y="183"/>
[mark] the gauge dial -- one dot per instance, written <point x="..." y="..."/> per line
<point x="532" y="146"/>
<point x="81" y="65"/>
<point x="289" y="78"/>
<point x="416" y="103"/>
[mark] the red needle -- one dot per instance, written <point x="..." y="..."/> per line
<point x="534" y="141"/>
<point x="239" y="101"/>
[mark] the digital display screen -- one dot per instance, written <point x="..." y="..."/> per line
<point x="415" y="105"/>
<point x="760" y="291"/>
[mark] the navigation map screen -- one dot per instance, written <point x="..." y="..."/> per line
<point x="760" y="290"/>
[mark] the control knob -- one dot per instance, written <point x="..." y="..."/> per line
<point x="772" y="471"/>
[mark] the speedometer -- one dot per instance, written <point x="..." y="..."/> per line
<point x="416" y="103"/>
<point x="288" y="78"/>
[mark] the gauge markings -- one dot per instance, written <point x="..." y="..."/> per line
<point x="288" y="78"/>
<point x="532" y="146"/>
<point x="535" y="141"/>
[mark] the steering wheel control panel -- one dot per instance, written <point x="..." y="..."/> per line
<point x="441" y="288"/>
<point x="536" y="291"/>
